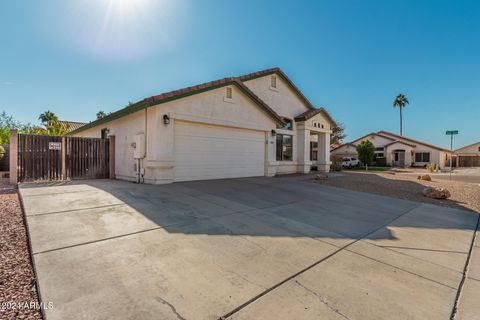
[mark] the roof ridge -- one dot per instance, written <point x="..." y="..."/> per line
<point x="413" y="140"/>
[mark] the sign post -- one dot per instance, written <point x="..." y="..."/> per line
<point x="451" y="133"/>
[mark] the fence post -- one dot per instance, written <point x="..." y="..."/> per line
<point x="64" y="163"/>
<point x="13" y="157"/>
<point x="111" y="157"/>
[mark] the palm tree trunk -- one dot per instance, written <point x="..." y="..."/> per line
<point x="401" y="124"/>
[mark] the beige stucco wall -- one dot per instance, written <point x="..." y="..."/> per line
<point x="390" y="156"/>
<point x="281" y="99"/>
<point x="212" y="108"/>
<point x="207" y="107"/>
<point x="285" y="102"/>
<point x="469" y="150"/>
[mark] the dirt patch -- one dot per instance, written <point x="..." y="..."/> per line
<point x="464" y="195"/>
<point x="18" y="296"/>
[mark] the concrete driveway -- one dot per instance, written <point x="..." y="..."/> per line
<point x="254" y="248"/>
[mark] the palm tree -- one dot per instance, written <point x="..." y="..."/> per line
<point x="101" y="114"/>
<point x="400" y="101"/>
<point x="47" y="117"/>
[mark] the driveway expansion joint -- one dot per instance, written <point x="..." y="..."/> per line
<point x="465" y="271"/>
<point x="76" y="210"/>
<point x="260" y="295"/>
<point x="321" y="299"/>
<point x="401" y="269"/>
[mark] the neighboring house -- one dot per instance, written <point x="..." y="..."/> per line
<point x="398" y="150"/>
<point x="71" y="125"/>
<point x="259" y="124"/>
<point x="468" y="156"/>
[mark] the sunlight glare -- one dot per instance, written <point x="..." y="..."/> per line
<point x="121" y="29"/>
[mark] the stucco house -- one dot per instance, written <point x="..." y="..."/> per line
<point x="398" y="150"/>
<point x="468" y="156"/>
<point x="258" y="124"/>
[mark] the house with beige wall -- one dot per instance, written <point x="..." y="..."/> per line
<point x="259" y="124"/>
<point x="468" y="156"/>
<point x="398" y="151"/>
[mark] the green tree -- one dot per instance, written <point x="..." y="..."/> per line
<point x="338" y="134"/>
<point x="366" y="151"/>
<point x="47" y="117"/>
<point x="7" y="123"/>
<point x="400" y="101"/>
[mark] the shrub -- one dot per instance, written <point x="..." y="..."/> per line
<point x="336" y="163"/>
<point x="431" y="167"/>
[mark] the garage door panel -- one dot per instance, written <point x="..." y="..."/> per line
<point x="469" y="161"/>
<point x="212" y="152"/>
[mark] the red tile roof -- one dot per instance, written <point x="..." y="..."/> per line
<point x="313" y="112"/>
<point x="412" y="140"/>
<point x="71" y="125"/>
<point x="237" y="81"/>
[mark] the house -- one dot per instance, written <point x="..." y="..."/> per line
<point x="396" y="150"/>
<point x="468" y="156"/>
<point x="258" y="124"/>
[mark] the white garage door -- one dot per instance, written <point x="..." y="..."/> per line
<point x="211" y="152"/>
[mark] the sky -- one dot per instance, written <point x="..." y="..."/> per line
<point x="353" y="57"/>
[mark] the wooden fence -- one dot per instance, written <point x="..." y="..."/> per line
<point x="58" y="158"/>
<point x="87" y="158"/>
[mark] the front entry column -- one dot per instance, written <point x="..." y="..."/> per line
<point x="323" y="162"/>
<point x="303" y="151"/>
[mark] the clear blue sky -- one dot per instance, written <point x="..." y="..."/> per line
<point x="77" y="57"/>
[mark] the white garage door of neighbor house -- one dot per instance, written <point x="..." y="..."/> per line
<point x="205" y="152"/>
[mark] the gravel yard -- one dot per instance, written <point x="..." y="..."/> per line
<point x="465" y="195"/>
<point x="17" y="281"/>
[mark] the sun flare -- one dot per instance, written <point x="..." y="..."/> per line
<point x="121" y="29"/>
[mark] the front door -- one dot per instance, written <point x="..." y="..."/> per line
<point x="400" y="158"/>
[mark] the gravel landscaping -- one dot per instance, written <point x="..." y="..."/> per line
<point x="18" y="296"/>
<point x="464" y="195"/>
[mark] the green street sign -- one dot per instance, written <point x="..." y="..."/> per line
<point x="452" y="132"/>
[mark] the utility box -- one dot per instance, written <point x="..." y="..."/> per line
<point x="139" y="151"/>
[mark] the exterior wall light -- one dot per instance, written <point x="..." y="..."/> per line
<point x="166" y="119"/>
<point x="274" y="133"/>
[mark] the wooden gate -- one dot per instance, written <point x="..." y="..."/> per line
<point x="87" y="158"/>
<point x="58" y="158"/>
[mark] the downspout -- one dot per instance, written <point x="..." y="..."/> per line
<point x="142" y="172"/>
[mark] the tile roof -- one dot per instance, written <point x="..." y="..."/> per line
<point x="313" y="112"/>
<point x="383" y="132"/>
<point x="401" y="142"/>
<point x="71" y="125"/>
<point x="180" y="93"/>
<point x="363" y="137"/>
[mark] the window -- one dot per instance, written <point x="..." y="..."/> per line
<point x="284" y="147"/>
<point x="379" y="149"/>
<point x="379" y="155"/>
<point x="478" y="149"/>
<point x="273" y="81"/>
<point x="422" y="157"/>
<point x="229" y="93"/>
<point x="288" y="124"/>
